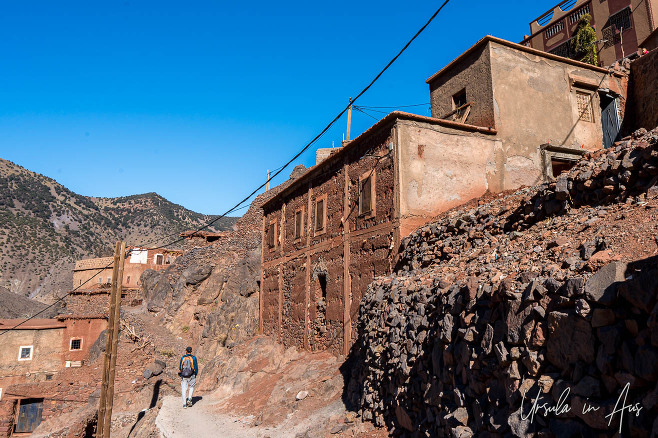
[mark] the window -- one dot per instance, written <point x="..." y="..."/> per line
<point x="128" y="280"/>
<point x="271" y="231"/>
<point x="320" y="214"/>
<point x="322" y="282"/>
<point x="584" y="106"/>
<point x="76" y="344"/>
<point x="25" y="352"/>
<point x="158" y="259"/>
<point x="80" y="283"/>
<point x="616" y="24"/>
<point x="109" y="280"/>
<point x="558" y="166"/>
<point x="100" y="280"/>
<point x="366" y="194"/>
<point x="458" y="101"/>
<point x="299" y="223"/>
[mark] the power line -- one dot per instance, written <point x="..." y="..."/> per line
<point x="363" y="111"/>
<point x="277" y="172"/>
<point x="394" y="107"/>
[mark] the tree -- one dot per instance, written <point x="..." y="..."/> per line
<point x="584" y="43"/>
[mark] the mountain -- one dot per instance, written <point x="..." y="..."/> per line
<point x="44" y="228"/>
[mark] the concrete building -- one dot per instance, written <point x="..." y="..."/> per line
<point x="503" y="115"/>
<point x="621" y="25"/>
<point x="139" y="261"/>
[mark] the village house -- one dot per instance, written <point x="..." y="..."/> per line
<point x="621" y="27"/>
<point x="31" y="357"/>
<point x="200" y="239"/>
<point x="136" y="263"/>
<point x="503" y="115"/>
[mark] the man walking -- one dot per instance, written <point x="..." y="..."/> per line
<point x="187" y="371"/>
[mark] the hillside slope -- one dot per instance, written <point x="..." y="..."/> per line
<point x="44" y="228"/>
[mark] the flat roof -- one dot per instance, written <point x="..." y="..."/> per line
<point x="515" y="46"/>
<point x="390" y="118"/>
<point x="32" y="324"/>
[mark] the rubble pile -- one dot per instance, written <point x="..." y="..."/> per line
<point x="489" y="331"/>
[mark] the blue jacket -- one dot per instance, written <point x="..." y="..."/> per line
<point x="195" y="366"/>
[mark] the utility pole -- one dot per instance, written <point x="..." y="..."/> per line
<point x="109" y="367"/>
<point x="349" y="120"/>
<point x="267" y="186"/>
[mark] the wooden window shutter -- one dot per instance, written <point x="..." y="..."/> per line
<point x="298" y="224"/>
<point x="366" y="195"/>
<point x="319" y="215"/>
<point x="270" y="236"/>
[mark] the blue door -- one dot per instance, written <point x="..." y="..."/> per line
<point x="609" y="120"/>
<point x="29" y="415"/>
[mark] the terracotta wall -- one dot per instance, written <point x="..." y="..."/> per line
<point x="292" y="307"/>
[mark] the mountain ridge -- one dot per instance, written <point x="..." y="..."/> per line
<point x="45" y="227"/>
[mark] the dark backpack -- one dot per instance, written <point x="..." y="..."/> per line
<point x="187" y="367"/>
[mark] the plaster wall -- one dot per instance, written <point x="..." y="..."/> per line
<point x="46" y="351"/>
<point x="474" y="75"/>
<point x="535" y="101"/>
<point x="87" y="331"/>
<point x="441" y="168"/>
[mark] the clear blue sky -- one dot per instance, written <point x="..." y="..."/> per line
<point x="196" y="100"/>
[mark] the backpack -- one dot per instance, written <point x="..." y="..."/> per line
<point x="187" y="367"/>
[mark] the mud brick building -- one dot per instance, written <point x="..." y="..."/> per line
<point x="503" y="115"/>
<point x="137" y="262"/>
<point x="621" y="26"/>
<point x="200" y="239"/>
<point x="31" y="358"/>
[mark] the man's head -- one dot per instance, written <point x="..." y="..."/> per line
<point x="188" y="350"/>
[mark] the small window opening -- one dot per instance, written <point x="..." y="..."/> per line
<point x="458" y="101"/>
<point x="76" y="344"/>
<point x="365" y="195"/>
<point x="558" y="166"/>
<point x="270" y="235"/>
<point x="322" y="281"/>
<point x="109" y="280"/>
<point x="319" y="215"/>
<point x="128" y="280"/>
<point x="100" y="280"/>
<point x="158" y="259"/>
<point x="298" y="224"/>
<point x="25" y="353"/>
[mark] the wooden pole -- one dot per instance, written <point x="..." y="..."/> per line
<point x="267" y="187"/>
<point x="107" y="387"/>
<point x="349" y="120"/>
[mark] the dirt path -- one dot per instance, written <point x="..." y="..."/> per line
<point x="204" y="420"/>
<point x="173" y="421"/>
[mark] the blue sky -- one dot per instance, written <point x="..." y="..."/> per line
<point x="196" y="100"/>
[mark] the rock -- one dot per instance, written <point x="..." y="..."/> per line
<point x="301" y="395"/>
<point x="602" y="317"/>
<point x="154" y="369"/>
<point x="531" y="362"/>
<point x="501" y="353"/>
<point x="573" y="287"/>
<point x="519" y="425"/>
<point x="339" y="428"/>
<point x="570" y="340"/>
<point x="403" y="419"/>
<point x="587" y="387"/>
<point x="602" y="286"/>
<point x="646" y="363"/>
<point x="461" y="432"/>
<point x="641" y="289"/>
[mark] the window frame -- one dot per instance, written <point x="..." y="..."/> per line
<point x="373" y="180"/>
<point x="20" y="352"/>
<point x="71" y="344"/>
<point x="299" y="211"/>
<point x="318" y="231"/>
<point x="271" y="235"/>
<point x="589" y="97"/>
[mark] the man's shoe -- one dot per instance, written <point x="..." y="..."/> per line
<point x="184" y="406"/>
<point x="189" y="403"/>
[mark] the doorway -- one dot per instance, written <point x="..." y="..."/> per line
<point x="609" y="119"/>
